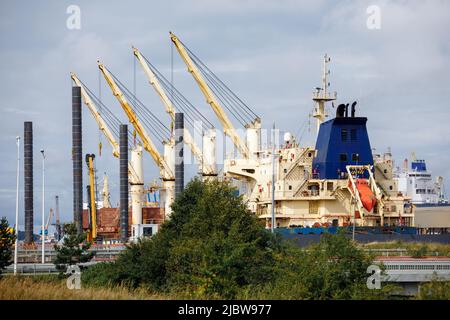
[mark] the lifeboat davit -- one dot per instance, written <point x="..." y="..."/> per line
<point x="365" y="194"/>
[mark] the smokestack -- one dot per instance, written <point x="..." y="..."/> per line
<point x="353" y="109"/>
<point x="179" y="154"/>
<point x="28" y="180"/>
<point x="123" y="141"/>
<point x="77" y="159"/>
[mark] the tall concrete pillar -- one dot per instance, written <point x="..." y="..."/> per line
<point x="28" y="180"/>
<point x="123" y="145"/>
<point x="179" y="153"/>
<point x="77" y="155"/>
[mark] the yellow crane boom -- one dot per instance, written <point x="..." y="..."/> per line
<point x="228" y="127"/>
<point x="152" y="79"/>
<point x="148" y="144"/>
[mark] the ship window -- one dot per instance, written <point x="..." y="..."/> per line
<point x="390" y="187"/>
<point x="353" y="134"/>
<point x="285" y="170"/>
<point x="343" y="157"/>
<point x="330" y="186"/>
<point x="309" y="154"/>
<point x="344" y="134"/>
<point x="355" y="157"/>
<point x="290" y="187"/>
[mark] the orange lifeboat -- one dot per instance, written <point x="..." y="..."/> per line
<point x="365" y="194"/>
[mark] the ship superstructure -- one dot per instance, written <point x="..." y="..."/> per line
<point x="337" y="182"/>
<point x="416" y="182"/>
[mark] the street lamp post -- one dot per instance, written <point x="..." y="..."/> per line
<point x="273" y="180"/>
<point x="43" y="205"/>
<point x="17" y="206"/>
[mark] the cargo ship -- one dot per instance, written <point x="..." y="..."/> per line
<point x="338" y="182"/>
<point x="417" y="182"/>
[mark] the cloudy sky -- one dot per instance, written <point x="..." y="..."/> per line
<point x="268" y="52"/>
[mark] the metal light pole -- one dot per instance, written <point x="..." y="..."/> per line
<point x="43" y="205"/>
<point x="354" y="219"/>
<point x="273" y="179"/>
<point x="17" y="206"/>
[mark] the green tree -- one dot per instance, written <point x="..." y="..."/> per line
<point x="73" y="250"/>
<point x="212" y="247"/>
<point x="7" y="239"/>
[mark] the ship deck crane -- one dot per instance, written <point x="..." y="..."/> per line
<point x="207" y="169"/>
<point x="211" y="99"/>
<point x="167" y="173"/>
<point x="57" y="222"/>
<point x="50" y="215"/>
<point x="135" y="168"/>
<point x="92" y="233"/>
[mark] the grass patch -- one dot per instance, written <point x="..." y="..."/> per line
<point x="53" y="288"/>
<point x="428" y="248"/>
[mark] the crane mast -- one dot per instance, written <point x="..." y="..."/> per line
<point x="166" y="171"/>
<point x="152" y="79"/>
<point x="210" y="98"/>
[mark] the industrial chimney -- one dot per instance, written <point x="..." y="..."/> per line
<point x="77" y="159"/>
<point x="28" y="180"/>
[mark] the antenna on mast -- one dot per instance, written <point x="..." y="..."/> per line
<point x="321" y="95"/>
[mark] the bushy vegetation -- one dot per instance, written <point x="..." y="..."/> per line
<point x="418" y="252"/>
<point x="212" y="247"/>
<point x="441" y="249"/>
<point x="7" y="238"/>
<point x="435" y="290"/>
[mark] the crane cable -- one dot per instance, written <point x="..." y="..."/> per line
<point x="107" y="115"/>
<point x="178" y="99"/>
<point x="232" y="100"/>
<point x="149" y="119"/>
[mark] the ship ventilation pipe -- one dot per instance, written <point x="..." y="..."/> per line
<point x="77" y="159"/>
<point x="353" y="109"/>
<point x="346" y="110"/>
<point x="28" y="180"/>
<point x="123" y="142"/>
<point x="179" y="154"/>
<point x="340" y="111"/>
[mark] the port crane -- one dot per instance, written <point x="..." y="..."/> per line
<point x="253" y="128"/>
<point x="135" y="167"/>
<point x="92" y="233"/>
<point x="166" y="171"/>
<point x="218" y="95"/>
<point x="57" y="222"/>
<point x="207" y="169"/>
<point x="50" y="215"/>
